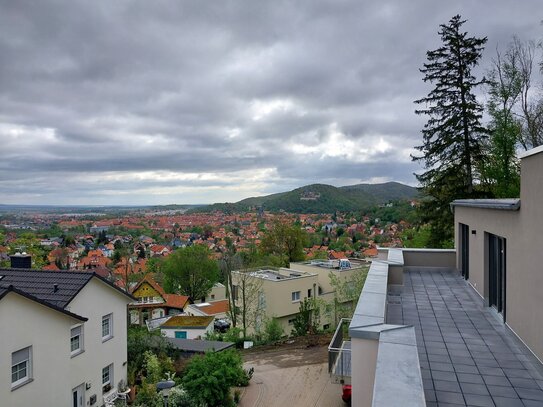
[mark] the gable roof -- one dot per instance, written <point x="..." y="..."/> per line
<point x="176" y="300"/>
<point x="170" y="300"/>
<point x="212" y="307"/>
<point x="6" y="290"/>
<point x="41" y="284"/>
<point x="149" y="280"/>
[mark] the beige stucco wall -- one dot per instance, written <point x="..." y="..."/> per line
<point x="277" y="296"/>
<point x="363" y="363"/>
<point x="27" y="323"/>
<point x="524" y="253"/>
<point x="429" y="258"/>
<point x="95" y="300"/>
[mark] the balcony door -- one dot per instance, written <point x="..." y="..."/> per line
<point x="78" y="395"/>
<point x="464" y="250"/>
<point x="497" y="273"/>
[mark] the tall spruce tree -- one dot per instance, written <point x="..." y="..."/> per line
<point x="453" y="135"/>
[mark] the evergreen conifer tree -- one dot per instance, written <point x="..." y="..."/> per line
<point x="453" y="135"/>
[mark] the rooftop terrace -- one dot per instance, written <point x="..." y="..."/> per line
<point x="467" y="356"/>
<point x="420" y="335"/>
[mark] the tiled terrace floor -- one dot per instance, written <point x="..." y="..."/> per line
<point x="467" y="357"/>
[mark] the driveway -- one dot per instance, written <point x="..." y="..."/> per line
<point x="290" y="376"/>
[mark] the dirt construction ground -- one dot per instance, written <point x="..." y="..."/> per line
<point x="290" y="375"/>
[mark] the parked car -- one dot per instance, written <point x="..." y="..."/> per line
<point x="346" y="395"/>
<point x="221" y="325"/>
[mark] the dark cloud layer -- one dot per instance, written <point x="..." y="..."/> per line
<point x="135" y="102"/>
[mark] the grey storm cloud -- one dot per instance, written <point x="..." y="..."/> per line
<point x="136" y="102"/>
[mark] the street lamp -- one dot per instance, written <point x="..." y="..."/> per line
<point x="164" y="387"/>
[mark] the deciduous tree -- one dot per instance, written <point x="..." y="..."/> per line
<point x="285" y="241"/>
<point x="190" y="271"/>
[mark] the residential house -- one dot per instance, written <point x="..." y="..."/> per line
<point x="152" y="302"/>
<point x="217" y="309"/>
<point x="158" y="250"/>
<point x="67" y="338"/>
<point x="187" y="327"/>
<point x="218" y="292"/>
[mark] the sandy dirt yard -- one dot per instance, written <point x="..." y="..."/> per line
<point x="290" y="376"/>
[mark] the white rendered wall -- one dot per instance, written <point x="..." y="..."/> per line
<point x="95" y="300"/>
<point x="27" y="323"/>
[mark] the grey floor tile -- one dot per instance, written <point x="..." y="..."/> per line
<point x="477" y="400"/>
<point x="502" y="391"/>
<point x="532" y="403"/>
<point x="507" y="402"/>
<point x="444" y="367"/>
<point x="522" y="373"/>
<point x="449" y="397"/>
<point x="470" y="378"/>
<point x="442" y="385"/>
<point x="530" y="394"/>
<point x="446" y="376"/>
<point x="496" y="380"/>
<point x="472" y="388"/>
<point x="465" y="368"/>
<point x="524" y="383"/>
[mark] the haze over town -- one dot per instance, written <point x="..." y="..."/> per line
<point x="145" y="103"/>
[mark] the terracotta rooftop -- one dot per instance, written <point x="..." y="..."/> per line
<point x="213" y="308"/>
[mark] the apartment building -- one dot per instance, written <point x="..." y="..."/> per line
<point x="63" y="339"/>
<point x="277" y="293"/>
<point x="272" y="293"/>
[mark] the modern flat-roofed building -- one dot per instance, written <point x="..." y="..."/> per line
<point x="273" y="293"/>
<point x="500" y="252"/>
<point x="278" y="292"/>
<point x="458" y="327"/>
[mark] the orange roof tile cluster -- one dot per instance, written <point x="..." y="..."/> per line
<point x="214" y="307"/>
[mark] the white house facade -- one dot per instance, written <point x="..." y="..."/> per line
<point x="65" y="338"/>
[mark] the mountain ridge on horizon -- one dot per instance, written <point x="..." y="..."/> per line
<point x="321" y="198"/>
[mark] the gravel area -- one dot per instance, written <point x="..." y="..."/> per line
<point x="290" y="376"/>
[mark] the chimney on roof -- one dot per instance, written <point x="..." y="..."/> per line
<point x="55" y="288"/>
<point x="21" y="261"/>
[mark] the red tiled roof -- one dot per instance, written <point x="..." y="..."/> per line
<point x="176" y="300"/>
<point x="214" y="308"/>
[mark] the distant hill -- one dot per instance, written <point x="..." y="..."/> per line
<point x="321" y="198"/>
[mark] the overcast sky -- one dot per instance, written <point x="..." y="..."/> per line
<point x="158" y="102"/>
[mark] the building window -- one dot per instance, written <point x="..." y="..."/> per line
<point x="107" y="376"/>
<point x="295" y="296"/>
<point x="107" y="327"/>
<point x="21" y="367"/>
<point x="235" y="290"/>
<point x="309" y="293"/>
<point x="76" y="340"/>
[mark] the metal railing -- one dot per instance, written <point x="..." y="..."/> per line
<point x="339" y="353"/>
